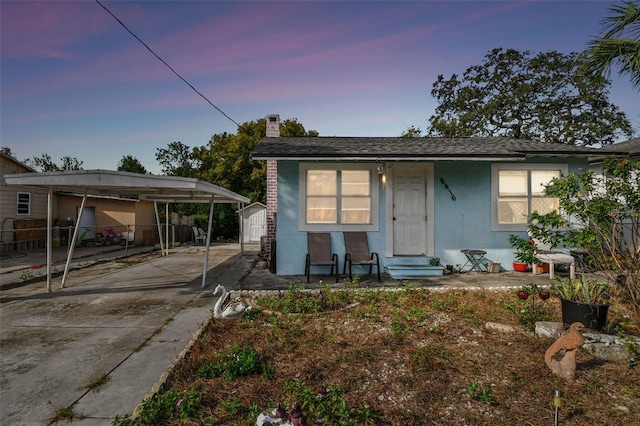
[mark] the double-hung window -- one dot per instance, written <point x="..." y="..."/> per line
<point x="518" y="190"/>
<point x="338" y="197"/>
<point x="24" y="203"/>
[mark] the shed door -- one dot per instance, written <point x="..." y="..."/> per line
<point x="409" y="212"/>
<point x="257" y="224"/>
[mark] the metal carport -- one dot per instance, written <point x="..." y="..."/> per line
<point x="134" y="186"/>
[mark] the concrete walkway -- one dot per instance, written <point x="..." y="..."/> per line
<point x="132" y="324"/>
<point x="129" y="325"/>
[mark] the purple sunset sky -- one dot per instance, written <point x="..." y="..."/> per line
<point x="74" y="82"/>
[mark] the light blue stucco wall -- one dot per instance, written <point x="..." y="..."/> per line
<point x="292" y="244"/>
<point x="461" y="224"/>
<point x="466" y="222"/>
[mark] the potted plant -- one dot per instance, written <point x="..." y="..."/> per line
<point x="584" y="300"/>
<point x="526" y="252"/>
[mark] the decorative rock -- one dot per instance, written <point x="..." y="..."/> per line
<point x="600" y="345"/>
<point x="614" y="353"/>
<point x="607" y="339"/>
<point x="565" y="367"/>
<point x="505" y="328"/>
<point x="549" y="329"/>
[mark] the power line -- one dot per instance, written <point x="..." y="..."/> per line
<point x="164" y="62"/>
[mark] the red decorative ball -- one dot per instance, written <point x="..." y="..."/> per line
<point x="523" y="295"/>
<point x="543" y="294"/>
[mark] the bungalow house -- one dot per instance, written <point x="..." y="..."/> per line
<point x="416" y="198"/>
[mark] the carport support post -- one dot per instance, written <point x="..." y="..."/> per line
<point x="49" y="236"/>
<point x="126" y="241"/>
<point x="241" y="221"/>
<point x="206" y="253"/>
<point x="73" y="241"/>
<point x="166" y="225"/>
<point x="155" y="208"/>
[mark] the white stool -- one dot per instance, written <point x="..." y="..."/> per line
<point x="553" y="258"/>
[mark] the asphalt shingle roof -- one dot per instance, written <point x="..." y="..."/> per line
<point x="396" y="148"/>
<point x="632" y="147"/>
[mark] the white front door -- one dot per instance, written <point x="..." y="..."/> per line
<point x="409" y="211"/>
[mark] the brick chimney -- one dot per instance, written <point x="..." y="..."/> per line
<point x="273" y="131"/>
<point x="273" y="125"/>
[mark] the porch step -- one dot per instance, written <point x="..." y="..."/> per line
<point x="403" y="272"/>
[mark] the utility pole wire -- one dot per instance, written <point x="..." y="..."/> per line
<point x="167" y="65"/>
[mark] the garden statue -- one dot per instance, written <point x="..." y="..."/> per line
<point x="232" y="310"/>
<point x="565" y="348"/>
<point x="278" y="416"/>
<point x="296" y="417"/>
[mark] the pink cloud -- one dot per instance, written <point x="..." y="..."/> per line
<point x="47" y="29"/>
<point x="252" y="52"/>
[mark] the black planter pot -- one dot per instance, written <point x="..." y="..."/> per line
<point x="592" y="316"/>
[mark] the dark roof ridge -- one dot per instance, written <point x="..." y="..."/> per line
<point x="355" y="147"/>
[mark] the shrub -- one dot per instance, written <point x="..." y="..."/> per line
<point x="603" y="216"/>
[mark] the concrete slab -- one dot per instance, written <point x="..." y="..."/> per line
<point x="122" y="393"/>
<point x="130" y="324"/>
<point x="183" y="326"/>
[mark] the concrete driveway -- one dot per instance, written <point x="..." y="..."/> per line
<point x="128" y="325"/>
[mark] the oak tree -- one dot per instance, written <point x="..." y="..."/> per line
<point x="547" y="97"/>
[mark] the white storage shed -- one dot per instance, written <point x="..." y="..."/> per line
<point x="254" y="218"/>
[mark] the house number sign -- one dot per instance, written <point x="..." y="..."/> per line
<point x="453" y="197"/>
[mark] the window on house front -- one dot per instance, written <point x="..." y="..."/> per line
<point x="24" y="203"/>
<point x="335" y="196"/>
<point x="518" y="190"/>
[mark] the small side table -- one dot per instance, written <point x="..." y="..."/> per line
<point x="475" y="259"/>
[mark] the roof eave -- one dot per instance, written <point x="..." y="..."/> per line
<point x="510" y="157"/>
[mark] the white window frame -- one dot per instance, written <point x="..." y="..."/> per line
<point x="563" y="168"/>
<point x="23" y="203"/>
<point x="327" y="227"/>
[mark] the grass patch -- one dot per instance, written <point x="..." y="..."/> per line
<point x="95" y="385"/>
<point x="65" y="414"/>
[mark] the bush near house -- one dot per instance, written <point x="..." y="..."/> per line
<point x="600" y="213"/>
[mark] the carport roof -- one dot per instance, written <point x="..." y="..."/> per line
<point x="135" y="186"/>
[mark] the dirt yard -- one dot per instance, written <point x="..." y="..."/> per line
<point x="406" y="357"/>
